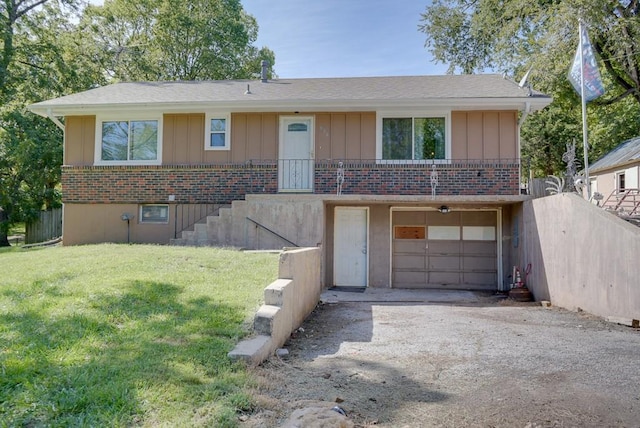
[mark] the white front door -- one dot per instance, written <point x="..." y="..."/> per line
<point x="295" y="163"/>
<point x="350" y="248"/>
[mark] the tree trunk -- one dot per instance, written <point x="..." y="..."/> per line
<point x="4" y="239"/>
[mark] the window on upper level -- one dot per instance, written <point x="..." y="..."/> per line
<point x="217" y="132"/>
<point x="413" y="137"/>
<point x="128" y="141"/>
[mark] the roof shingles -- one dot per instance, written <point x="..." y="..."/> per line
<point x="322" y="90"/>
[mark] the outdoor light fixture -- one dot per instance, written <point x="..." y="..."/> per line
<point x="126" y="217"/>
<point x="444" y="209"/>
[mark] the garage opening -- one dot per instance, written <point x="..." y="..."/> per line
<point x="454" y="250"/>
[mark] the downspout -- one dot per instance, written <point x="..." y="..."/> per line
<point x="526" y="111"/>
<point x="55" y="120"/>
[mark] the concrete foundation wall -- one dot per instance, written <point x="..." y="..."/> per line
<point x="287" y="302"/>
<point x="581" y="256"/>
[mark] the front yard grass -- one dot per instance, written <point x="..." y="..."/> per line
<point x="126" y="335"/>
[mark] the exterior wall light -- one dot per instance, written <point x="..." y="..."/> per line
<point x="444" y="209"/>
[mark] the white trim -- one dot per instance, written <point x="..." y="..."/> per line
<point x="302" y="105"/>
<point x="209" y="115"/>
<point x="419" y="113"/>
<point x="127" y="116"/>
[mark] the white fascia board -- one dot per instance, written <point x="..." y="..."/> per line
<point x="300" y="105"/>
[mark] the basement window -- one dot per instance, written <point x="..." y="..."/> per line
<point x="154" y="214"/>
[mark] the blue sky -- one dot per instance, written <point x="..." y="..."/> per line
<point x="344" y="38"/>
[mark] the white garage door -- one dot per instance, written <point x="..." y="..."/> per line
<point x="457" y="250"/>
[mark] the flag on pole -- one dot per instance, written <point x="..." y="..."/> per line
<point x="593" y="87"/>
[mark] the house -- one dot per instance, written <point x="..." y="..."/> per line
<point x="616" y="176"/>
<point x="402" y="181"/>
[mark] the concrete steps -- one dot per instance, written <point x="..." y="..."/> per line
<point x="216" y="230"/>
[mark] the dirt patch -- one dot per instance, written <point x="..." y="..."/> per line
<point x="485" y="364"/>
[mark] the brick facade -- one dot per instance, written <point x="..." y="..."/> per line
<point x="225" y="183"/>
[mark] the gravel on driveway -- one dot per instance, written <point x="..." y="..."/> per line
<point x="415" y="358"/>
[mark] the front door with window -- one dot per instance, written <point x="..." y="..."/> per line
<point x="295" y="163"/>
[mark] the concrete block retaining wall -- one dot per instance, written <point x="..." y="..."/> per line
<point x="287" y="302"/>
<point x="582" y="256"/>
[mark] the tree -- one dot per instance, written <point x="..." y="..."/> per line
<point x="174" y="40"/>
<point x="516" y="35"/>
<point x="34" y="65"/>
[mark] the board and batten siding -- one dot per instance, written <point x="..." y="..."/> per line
<point x="254" y="136"/>
<point x="484" y="135"/>
<point x="79" y="140"/>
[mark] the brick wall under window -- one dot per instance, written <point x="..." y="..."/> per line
<point x="225" y="183"/>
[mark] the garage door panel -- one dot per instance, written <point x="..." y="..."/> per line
<point x="409" y="246"/>
<point x="444" y="247"/>
<point x="406" y="261"/>
<point x="476" y="263"/>
<point x="479" y="247"/>
<point x="451" y="278"/>
<point x="409" y="278"/>
<point x="444" y="262"/>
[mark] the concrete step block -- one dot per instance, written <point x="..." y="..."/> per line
<point x="200" y="231"/>
<point x="253" y="351"/>
<point x="265" y="319"/>
<point x="274" y="294"/>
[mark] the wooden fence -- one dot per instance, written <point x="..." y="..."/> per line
<point x="47" y="227"/>
<point x="538" y="186"/>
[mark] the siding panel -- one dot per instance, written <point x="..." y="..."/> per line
<point x="79" y="140"/>
<point x="474" y="135"/>
<point x="459" y="134"/>
<point x="508" y="135"/>
<point x="491" y="135"/>
<point x="338" y="136"/>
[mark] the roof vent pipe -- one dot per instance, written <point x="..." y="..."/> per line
<point x="263" y="73"/>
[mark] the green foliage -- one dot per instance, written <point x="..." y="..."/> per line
<point x="122" y="335"/>
<point x="37" y="63"/>
<point x="174" y="40"/>
<point x="51" y="48"/>
<point x="516" y="35"/>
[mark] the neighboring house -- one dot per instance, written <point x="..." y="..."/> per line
<point x="616" y="176"/>
<point x="403" y="181"/>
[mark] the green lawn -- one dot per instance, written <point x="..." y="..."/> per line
<point x="126" y="335"/>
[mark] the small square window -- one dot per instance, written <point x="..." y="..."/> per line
<point x="217" y="132"/>
<point x="154" y="213"/>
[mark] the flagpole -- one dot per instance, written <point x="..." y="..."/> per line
<point x="585" y="138"/>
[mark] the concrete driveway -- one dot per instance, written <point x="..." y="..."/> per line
<point x="395" y="358"/>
